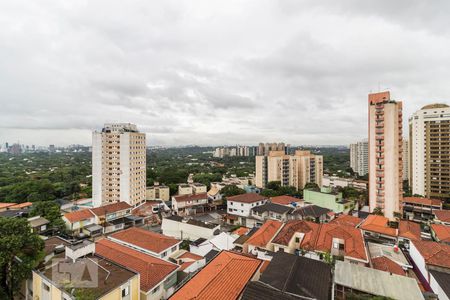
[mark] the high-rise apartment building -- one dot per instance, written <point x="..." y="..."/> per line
<point x="118" y="164"/>
<point x="264" y="149"/>
<point x="359" y="157"/>
<point x="429" y="151"/>
<point x="405" y="158"/>
<point x="291" y="170"/>
<point x="385" y="153"/>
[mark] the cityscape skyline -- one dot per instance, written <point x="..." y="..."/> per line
<point x="305" y="67"/>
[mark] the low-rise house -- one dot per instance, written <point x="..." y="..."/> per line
<point x="268" y="211"/>
<point x="408" y="231"/>
<point x="149" y="211"/>
<point x="191" y="188"/>
<point x="327" y="198"/>
<point x="157" y="192"/>
<point x="147" y="242"/>
<point x="289" y="277"/>
<point x="261" y="239"/>
<point x="420" y="209"/>
<point x="377" y="228"/>
<point x="224" y="277"/>
<point x="189" y="262"/>
<point x="288" y="201"/>
<point x="20" y="206"/>
<point x="39" y="224"/>
<point x="5" y="206"/>
<point x="92" y="275"/>
<point x="115" y="216"/>
<point x="77" y="221"/>
<point x="388" y="258"/>
<point x="440" y="233"/>
<point x="240" y="206"/>
<point x="158" y="277"/>
<point x="188" y="229"/>
<point x="316" y="240"/>
<point x="347" y="220"/>
<point x="353" y="281"/>
<point x="335" y="182"/>
<point x="442" y="217"/>
<point x="432" y="260"/>
<point x="185" y="205"/>
<point x="312" y="213"/>
<point x="215" y="197"/>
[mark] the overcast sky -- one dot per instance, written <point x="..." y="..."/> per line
<point x="215" y="72"/>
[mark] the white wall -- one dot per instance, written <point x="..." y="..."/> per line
<point x="242" y="209"/>
<point x="96" y="169"/>
<point x="437" y="288"/>
<point x="181" y="230"/>
<point x="418" y="260"/>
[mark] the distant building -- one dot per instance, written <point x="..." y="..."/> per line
<point x="385" y="154"/>
<point x="15" y="149"/>
<point x="359" y="157"/>
<point x="264" y="149"/>
<point x="327" y="198"/>
<point x="290" y="170"/>
<point x="429" y="153"/>
<point x="51" y="148"/>
<point x="118" y="165"/>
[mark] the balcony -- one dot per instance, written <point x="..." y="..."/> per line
<point x="379" y="131"/>
<point x="379" y="137"/>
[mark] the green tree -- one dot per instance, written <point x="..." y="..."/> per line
<point x="51" y="211"/>
<point x="378" y="211"/>
<point x="20" y="252"/>
<point x="274" y="185"/>
<point x="231" y="190"/>
<point x="311" y="186"/>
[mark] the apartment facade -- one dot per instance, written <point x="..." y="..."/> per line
<point x="118" y="165"/>
<point x="291" y="170"/>
<point x="429" y="151"/>
<point x="385" y="153"/>
<point x="359" y="157"/>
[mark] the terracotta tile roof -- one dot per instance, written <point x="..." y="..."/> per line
<point x="110" y="208"/>
<point x="185" y="265"/>
<point x="422" y="201"/>
<point x="354" y="245"/>
<point x="145" y="209"/>
<point x="284" y="200"/>
<point x="247" y="198"/>
<point x="78" y="215"/>
<point x="21" y="205"/>
<point x="442" y="215"/>
<point x="152" y="270"/>
<point x="241" y="231"/>
<point x="264" y="266"/>
<point x="264" y="234"/>
<point x="383" y="263"/>
<point x="347" y="220"/>
<point x="145" y="239"/>
<point x="434" y="253"/>
<point x="224" y="278"/>
<point x="184" y="198"/>
<point x="409" y="230"/>
<point x="442" y="232"/>
<point x="191" y="256"/>
<point x="310" y="229"/>
<point x="6" y="205"/>
<point x="378" y="224"/>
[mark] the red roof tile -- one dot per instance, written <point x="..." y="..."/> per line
<point x="247" y="198"/>
<point x="284" y="200"/>
<point x="152" y="270"/>
<point x="264" y="234"/>
<point x="378" y="224"/>
<point x="310" y="230"/>
<point x="145" y="239"/>
<point x="442" y="232"/>
<point x="21" y="205"/>
<point x="409" y="230"/>
<point x="224" y="278"/>
<point x="185" y="265"/>
<point x="422" y="201"/>
<point x="6" y="205"/>
<point x="191" y="256"/>
<point x="442" y="215"/>
<point x="434" y="253"/>
<point x="79" y="215"/>
<point x="347" y="220"/>
<point x="184" y="198"/>
<point x="110" y="208"/>
<point x="241" y="231"/>
<point x="383" y="263"/>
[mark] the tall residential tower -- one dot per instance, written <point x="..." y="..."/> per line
<point x="429" y="145"/>
<point x="118" y="165"/>
<point x="385" y="153"/>
<point x="359" y="157"/>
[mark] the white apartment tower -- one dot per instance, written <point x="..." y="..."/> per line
<point x="429" y="151"/>
<point x="359" y="157"/>
<point x="385" y="154"/>
<point x="118" y="164"/>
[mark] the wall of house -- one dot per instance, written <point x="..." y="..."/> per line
<point x="418" y="260"/>
<point x="437" y="289"/>
<point x="201" y="249"/>
<point x="242" y="209"/>
<point x="185" y="231"/>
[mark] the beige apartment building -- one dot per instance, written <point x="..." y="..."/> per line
<point x="158" y="192"/>
<point x="429" y="151"/>
<point x="118" y="165"/>
<point x="385" y="153"/>
<point x="291" y="170"/>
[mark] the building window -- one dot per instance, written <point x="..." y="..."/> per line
<point x="46" y="287"/>
<point x="164" y="254"/>
<point x="297" y="240"/>
<point x="125" y="291"/>
<point x="242" y="204"/>
<point x="155" y="289"/>
<point x="174" y="249"/>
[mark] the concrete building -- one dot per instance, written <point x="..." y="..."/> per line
<point x="264" y="149"/>
<point x="429" y="151"/>
<point x="385" y="154"/>
<point x="291" y="170"/>
<point x="359" y="157"/>
<point x="327" y="198"/>
<point x="157" y="192"/>
<point x="118" y="165"/>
